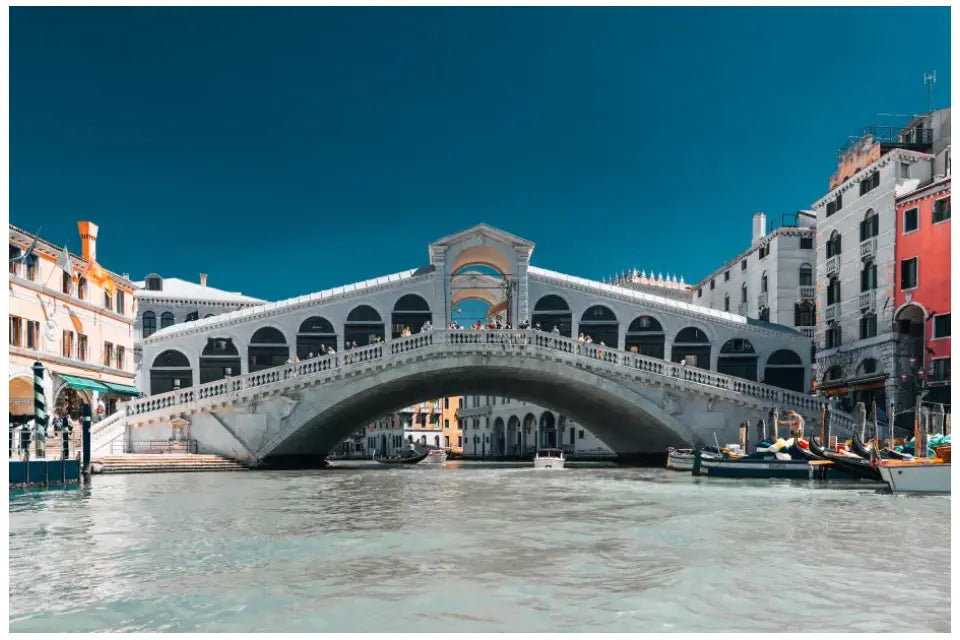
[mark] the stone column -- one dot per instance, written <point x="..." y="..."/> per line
<point x="441" y="292"/>
<point x="523" y="289"/>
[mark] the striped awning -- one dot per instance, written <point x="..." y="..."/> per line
<point x="123" y="389"/>
<point x="84" y="383"/>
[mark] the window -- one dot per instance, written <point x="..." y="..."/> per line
<point x="941" y="325"/>
<point x="763" y="282"/>
<point x="806" y="243"/>
<point x="713" y="285"/>
<point x="107" y="300"/>
<point x="833" y="336"/>
<point x="726" y="303"/>
<point x="15" y="252"/>
<point x="148" y="324"/>
<point x="32" y="267"/>
<point x="460" y="402"/>
<point x="941" y="369"/>
<point x="66" y="283"/>
<point x="108" y="354"/>
<point x="581" y="434"/>
<point x="81" y="347"/>
<point x="16" y="331"/>
<point x="941" y="210"/>
<point x="908" y="273"/>
<point x="82" y="288"/>
<point x="835" y="205"/>
<point x="446" y="424"/>
<point x="121" y="353"/>
<point x="446" y="441"/>
<point x="910" y="222"/>
<point x="833" y="291"/>
<point x="868" y="277"/>
<point x="870" y="225"/>
<point x="154" y="283"/>
<point x="446" y="403"/>
<point x="726" y="275"/>
<point x="764" y="251"/>
<point x="33" y="334"/>
<point x="460" y="441"/>
<point x="904" y="170"/>
<point x="868" y="326"/>
<point x="869" y="184"/>
<point x="166" y="320"/>
<point x="743" y="292"/>
<point x="743" y="265"/>
<point x="806" y="275"/>
<point x="699" y="293"/>
<point x="66" y="344"/>
<point x="120" y="301"/>
<point x="833" y="245"/>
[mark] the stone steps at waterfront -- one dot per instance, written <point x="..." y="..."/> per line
<point x="160" y="463"/>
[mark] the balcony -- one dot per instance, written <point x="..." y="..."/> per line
<point x="868" y="249"/>
<point x="868" y="301"/>
<point x="762" y="300"/>
<point x="832" y="312"/>
<point x="807" y="291"/>
<point x="809" y="332"/>
<point x="832" y="266"/>
<point x="742" y="308"/>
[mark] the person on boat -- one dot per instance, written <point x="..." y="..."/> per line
<point x="794" y="421"/>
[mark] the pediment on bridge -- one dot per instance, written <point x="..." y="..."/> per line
<point x="481" y="233"/>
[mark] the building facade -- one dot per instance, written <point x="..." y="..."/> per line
<point x="76" y="319"/>
<point x="774" y="279"/>
<point x="922" y="292"/>
<point x="857" y="345"/>
<point x="495" y="427"/>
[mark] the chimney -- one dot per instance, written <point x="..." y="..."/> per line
<point x="759" y="226"/>
<point x="203" y="279"/>
<point x="88" y="236"/>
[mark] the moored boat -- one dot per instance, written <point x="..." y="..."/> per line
<point x="548" y="459"/>
<point x="848" y="462"/>
<point x="761" y="464"/>
<point x="435" y="456"/>
<point x="407" y="459"/>
<point x="924" y="475"/>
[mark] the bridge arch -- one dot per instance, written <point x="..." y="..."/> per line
<point x="692" y="344"/>
<point x="314" y="335"/>
<point x="784" y="369"/>
<point x="169" y="371"/>
<point x="267" y="348"/>
<point x="364" y="324"/>
<point x="409" y="311"/>
<point x="513" y="436"/>
<point x="219" y="359"/>
<point x="646" y="334"/>
<point x="601" y="324"/>
<point x="485" y="255"/>
<point x="552" y="311"/>
<point x="738" y="358"/>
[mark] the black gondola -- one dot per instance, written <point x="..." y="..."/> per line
<point x="859" y="447"/>
<point x="414" y="459"/>
<point x="857" y="467"/>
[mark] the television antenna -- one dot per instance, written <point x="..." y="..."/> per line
<point x="929" y="79"/>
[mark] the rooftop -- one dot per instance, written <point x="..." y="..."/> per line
<point x="183" y="289"/>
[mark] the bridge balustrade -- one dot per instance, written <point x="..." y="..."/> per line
<point x="509" y="339"/>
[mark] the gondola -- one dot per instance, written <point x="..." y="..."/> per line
<point x="414" y="459"/>
<point x="859" y="447"/>
<point x="857" y="467"/>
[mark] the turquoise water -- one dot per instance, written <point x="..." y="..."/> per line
<point x="475" y="548"/>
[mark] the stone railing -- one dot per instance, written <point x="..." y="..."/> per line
<point x="810" y="332"/>
<point x="832" y="312"/>
<point x="868" y="301"/>
<point x="832" y="266"/>
<point x="807" y="291"/>
<point x="516" y="342"/>
<point x="868" y="249"/>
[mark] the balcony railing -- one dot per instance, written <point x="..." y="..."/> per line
<point x="809" y="332"/>
<point x="832" y="312"/>
<point x="833" y="265"/>
<point x="868" y="301"/>
<point x="868" y="249"/>
<point x="807" y="292"/>
<point x="762" y="300"/>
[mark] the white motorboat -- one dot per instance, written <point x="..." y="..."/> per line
<point x="548" y="459"/>
<point x="923" y="476"/>
<point x="435" y="456"/>
<point x="679" y="459"/>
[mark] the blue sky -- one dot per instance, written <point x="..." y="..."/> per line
<point x="283" y="151"/>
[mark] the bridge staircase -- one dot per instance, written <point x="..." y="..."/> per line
<point x="167" y="462"/>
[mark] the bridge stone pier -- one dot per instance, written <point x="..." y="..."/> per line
<point x="670" y="373"/>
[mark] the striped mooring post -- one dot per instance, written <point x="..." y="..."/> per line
<point x="39" y="408"/>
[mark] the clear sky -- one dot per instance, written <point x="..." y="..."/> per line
<point x="284" y="151"/>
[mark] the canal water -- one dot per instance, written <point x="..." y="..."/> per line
<point x="475" y="548"/>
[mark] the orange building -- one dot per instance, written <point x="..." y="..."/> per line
<point x="75" y="318"/>
<point x="452" y="434"/>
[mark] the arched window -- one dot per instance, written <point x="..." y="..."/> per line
<point x="553" y="311"/>
<point x="738" y="358"/>
<point x="410" y="312"/>
<point x="315" y="335"/>
<point x="267" y="348"/>
<point x="645" y="335"/>
<point x="806" y="275"/>
<point x="154" y="282"/>
<point x="785" y="370"/>
<point x="193" y="315"/>
<point x="364" y="325"/>
<point x="833" y="244"/>
<point x="692" y="346"/>
<point x="867" y="367"/>
<point x="868" y="276"/>
<point x="148" y="324"/>
<point x="219" y="359"/>
<point x="600" y="323"/>
<point x="833" y="291"/>
<point x="870" y="225"/>
<point x="166" y="320"/>
<point x="763" y="282"/>
<point x="170" y="371"/>
<point x="743" y="292"/>
<point x="833" y="373"/>
<point x="726" y="302"/>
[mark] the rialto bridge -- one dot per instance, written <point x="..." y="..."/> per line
<point x="659" y="371"/>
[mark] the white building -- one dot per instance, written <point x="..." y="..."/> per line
<point x="857" y="347"/>
<point x="495" y="427"/>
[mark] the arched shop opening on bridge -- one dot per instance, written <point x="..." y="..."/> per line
<point x="268" y="348"/>
<point x="364" y="325"/>
<point x="553" y="311"/>
<point x="645" y="335"/>
<point x="219" y="359"/>
<point x="693" y="347"/>
<point x="600" y="323"/>
<point x="409" y="314"/>
<point x="784" y="369"/>
<point x="529" y="432"/>
<point x="738" y="358"/>
<point x="315" y="336"/>
<point x="480" y="292"/>
<point x="170" y="371"/>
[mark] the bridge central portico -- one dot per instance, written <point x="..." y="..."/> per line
<point x="659" y="371"/>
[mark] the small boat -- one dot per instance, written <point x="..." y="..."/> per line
<point x="410" y="458"/>
<point x="682" y="459"/>
<point x="925" y="475"/>
<point x="548" y="459"/>
<point x="760" y="464"/>
<point x="435" y="456"/>
<point x="848" y="462"/>
<point x="859" y="447"/>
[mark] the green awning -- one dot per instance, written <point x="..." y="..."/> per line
<point x="83" y="383"/>
<point x="123" y="389"/>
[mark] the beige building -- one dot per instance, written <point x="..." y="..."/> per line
<point x="76" y="321"/>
